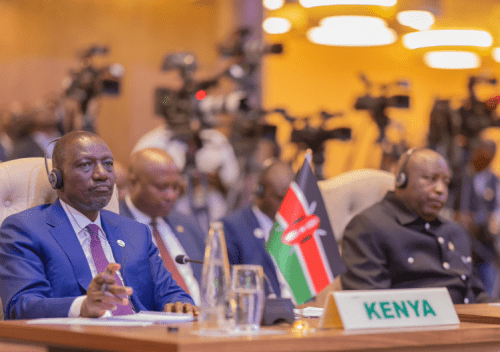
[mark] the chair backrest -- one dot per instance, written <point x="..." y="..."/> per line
<point x="345" y="196"/>
<point x="24" y="184"/>
<point x="350" y="193"/>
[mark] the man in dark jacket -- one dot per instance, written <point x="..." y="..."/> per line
<point x="402" y="242"/>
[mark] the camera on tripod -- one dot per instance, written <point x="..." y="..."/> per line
<point x="314" y="138"/>
<point x="248" y="53"/>
<point x="190" y="108"/>
<point x="90" y="81"/>
<point x="377" y="105"/>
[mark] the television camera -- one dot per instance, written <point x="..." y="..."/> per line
<point x="89" y="81"/>
<point x="314" y="138"/>
<point x="377" y="105"/>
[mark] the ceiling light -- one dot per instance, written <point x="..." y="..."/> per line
<point x="447" y="37"/>
<point x="420" y="20"/>
<point x="276" y="25"/>
<point x="314" y="3"/>
<point x="496" y="54"/>
<point x="352" y="31"/>
<point x="273" y="4"/>
<point x="452" y="60"/>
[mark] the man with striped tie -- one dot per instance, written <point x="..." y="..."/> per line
<point x="72" y="258"/>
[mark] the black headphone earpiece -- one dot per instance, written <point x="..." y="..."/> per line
<point x="55" y="176"/>
<point x="55" y="179"/>
<point x="401" y="176"/>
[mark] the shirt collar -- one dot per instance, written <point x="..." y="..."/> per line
<point x="79" y="221"/>
<point x="265" y="222"/>
<point x="402" y="213"/>
<point x="138" y="215"/>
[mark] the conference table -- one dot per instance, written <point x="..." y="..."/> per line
<point x="479" y="330"/>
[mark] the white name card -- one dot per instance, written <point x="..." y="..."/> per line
<point x="389" y="309"/>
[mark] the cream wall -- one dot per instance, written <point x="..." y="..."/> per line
<point x="310" y="77"/>
<point x="39" y="39"/>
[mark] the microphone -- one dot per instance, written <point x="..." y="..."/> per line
<point x="276" y="310"/>
<point x="184" y="259"/>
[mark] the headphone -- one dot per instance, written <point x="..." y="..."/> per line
<point x="402" y="178"/>
<point x="55" y="176"/>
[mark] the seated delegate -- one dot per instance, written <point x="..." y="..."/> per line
<point x="402" y="242"/>
<point x="57" y="257"/>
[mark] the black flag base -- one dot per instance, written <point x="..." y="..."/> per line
<point x="277" y="310"/>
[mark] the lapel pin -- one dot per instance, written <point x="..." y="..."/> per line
<point x="258" y="233"/>
<point x="180" y="228"/>
<point x="121" y="243"/>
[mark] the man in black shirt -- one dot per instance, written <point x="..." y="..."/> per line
<point x="402" y="242"/>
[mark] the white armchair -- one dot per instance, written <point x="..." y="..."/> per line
<point x="24" y="184"/>
<point x="349" y="194"/>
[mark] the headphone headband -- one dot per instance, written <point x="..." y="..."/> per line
<point x="55" y="176"/>
<point x="401" y="177"/>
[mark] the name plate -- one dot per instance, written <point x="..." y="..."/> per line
<point x="389" y="309"/>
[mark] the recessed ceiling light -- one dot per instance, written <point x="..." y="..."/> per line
<point x="314" y="3"/>
<point x="447" y="37"/>
<point x="276" y="25"/>
<point x="352" y="31"/>
<point x="452" y="60"/>
<point x="273" y="4"/>
<point x="496" y="54"/>
<point x="420" y="20"/>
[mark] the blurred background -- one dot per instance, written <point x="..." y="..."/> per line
<point x="41" y="41"/>
<point x="223" y="85"/>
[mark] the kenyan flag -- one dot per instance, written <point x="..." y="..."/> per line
<point x="302" y="241"/>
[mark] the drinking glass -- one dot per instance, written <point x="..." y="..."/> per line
<point x="247" y="288"/>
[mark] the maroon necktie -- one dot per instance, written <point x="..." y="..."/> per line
<point x="167" y="259"/>
<point x="101" y="263"/>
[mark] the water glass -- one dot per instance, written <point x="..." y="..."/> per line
<point x="247" y="288"/>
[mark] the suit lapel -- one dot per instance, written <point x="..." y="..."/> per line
<point x="115" y="236"/>
<point x="186" y="240"/>
<point x="63" y="233"/>
<point x="268" y="266"/>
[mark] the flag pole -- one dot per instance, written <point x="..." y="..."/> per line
<point x="301" y="325"/>
<point x="308" y="157"/>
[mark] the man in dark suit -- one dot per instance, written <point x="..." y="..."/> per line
<point x="248" y="229"/>
<point x="154" y="185"/>
<point x="72" y="258"/>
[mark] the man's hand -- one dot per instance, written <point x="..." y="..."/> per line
<point x="179" y="307"/>
<point x="98" y="301"/>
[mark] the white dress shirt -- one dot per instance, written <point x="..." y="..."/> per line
<point x="266" y="225"/>
<point x="173" y="245"/>
<point x="79" y="222"/>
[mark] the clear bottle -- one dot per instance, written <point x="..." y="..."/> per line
<point x="217" y="304"/>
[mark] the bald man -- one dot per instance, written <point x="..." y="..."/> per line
<point x="402" y="242"/>
<point x="248" y="229"/>
<point x="154" y="185"/>
<point x="72" y="257"/>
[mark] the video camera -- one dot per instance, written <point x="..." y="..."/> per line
<point x="89" y="81"/>
<point x="315" y="137"/>
<point x="377" y="105"/>
<point x="248" y="54"/>
<point x="191" y="108"/>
